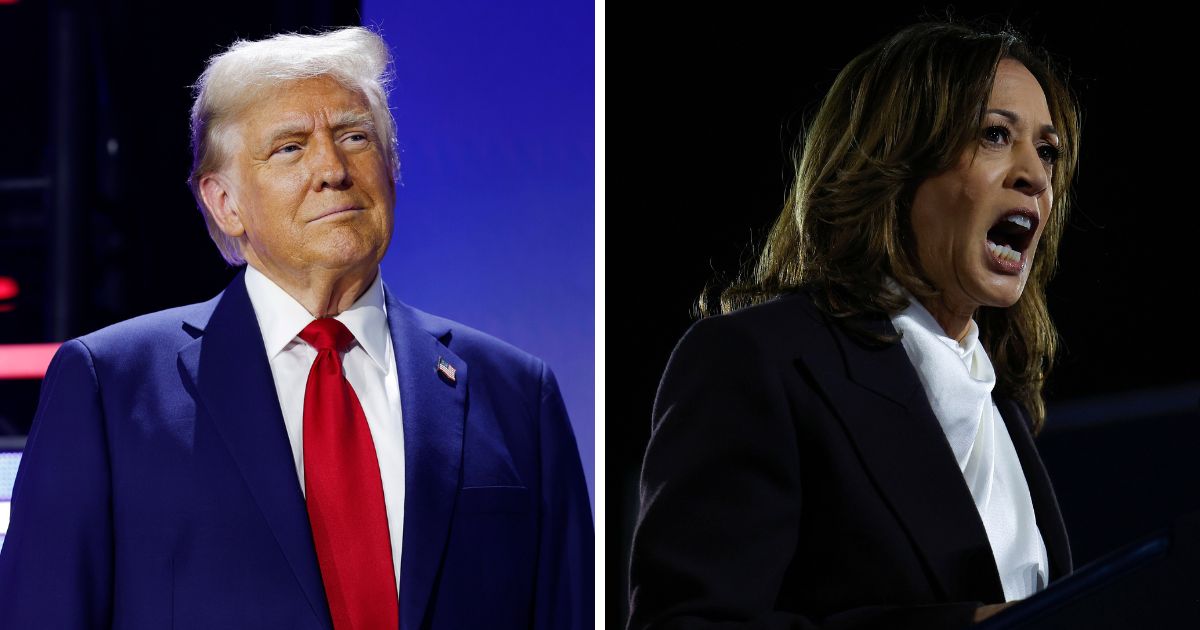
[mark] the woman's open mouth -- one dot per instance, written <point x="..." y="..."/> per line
<point x="1010" y="238"/>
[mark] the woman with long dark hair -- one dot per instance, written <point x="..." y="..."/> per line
<point x="848" y="442"/>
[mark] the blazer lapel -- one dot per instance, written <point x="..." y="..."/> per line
<point x="434" y="408"/>
<point x="1045" y="504"/>
<point x="228" y="367"/>
<point x="879" y="399"/>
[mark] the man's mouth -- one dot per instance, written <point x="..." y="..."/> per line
<point x="1011" y="236"/>
<point x="336" y="210"/>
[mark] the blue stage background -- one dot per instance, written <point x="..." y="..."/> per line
<point x="495" y="212"/>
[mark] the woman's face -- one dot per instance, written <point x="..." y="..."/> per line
<point x="977" y="225"/>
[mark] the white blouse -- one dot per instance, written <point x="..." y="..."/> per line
<point x="958" y="380"/>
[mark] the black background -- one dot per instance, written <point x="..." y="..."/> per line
<point x="702" y="105"/>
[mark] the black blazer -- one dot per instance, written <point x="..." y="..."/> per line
<point x="797" y="478"/>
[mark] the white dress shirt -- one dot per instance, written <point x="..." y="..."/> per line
<point x="369" y="365"/>
<point x="958" y="379"/>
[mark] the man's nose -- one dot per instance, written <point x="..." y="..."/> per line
<point x="329" y="166"/>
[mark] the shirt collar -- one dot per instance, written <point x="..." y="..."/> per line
<point x="367" y="321"/>
<point x="281" y="317"/>
<point x="917" y="314"/>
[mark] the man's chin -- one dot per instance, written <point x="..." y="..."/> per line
<point x="349" y="254"/>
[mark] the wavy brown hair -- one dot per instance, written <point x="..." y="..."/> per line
<point x="902" y="111"/>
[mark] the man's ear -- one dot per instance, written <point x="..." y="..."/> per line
<point x="217" y="192"/>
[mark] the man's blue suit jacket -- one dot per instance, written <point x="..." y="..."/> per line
<point x="158" y="489"/>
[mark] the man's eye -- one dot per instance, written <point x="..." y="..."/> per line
<point x="288" y="148"/>
<point x="357" y="137"/>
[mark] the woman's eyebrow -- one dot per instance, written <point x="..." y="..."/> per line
<point x="1016" y="119"/>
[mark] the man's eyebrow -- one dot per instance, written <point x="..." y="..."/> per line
<point x="1011" y="115"/>
<point x="352" y="118"/>
<point x="297" y="128"/>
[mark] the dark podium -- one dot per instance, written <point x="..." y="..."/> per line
<point x="1154" y="583"/>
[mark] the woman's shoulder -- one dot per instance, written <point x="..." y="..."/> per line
<point x="785" y="320"/>
<point x="791" y="310"/>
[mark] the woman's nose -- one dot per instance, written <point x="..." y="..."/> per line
<point x="1029" y="173"/>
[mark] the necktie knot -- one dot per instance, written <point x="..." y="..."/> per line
<point x="327" y="333"/>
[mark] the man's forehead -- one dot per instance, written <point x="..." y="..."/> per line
<point x="305" y="103"/>
<point x="307" y="120"/>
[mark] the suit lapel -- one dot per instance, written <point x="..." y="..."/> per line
<point x="434" y="409"/>
<point x="228" y="367"/>
<point x="876" y="394"/>
<point x="1045" y="504"/>
<point x="230" y="372"/>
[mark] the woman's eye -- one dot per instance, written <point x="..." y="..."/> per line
<point x="996" y="134"/>
<point x="1049" y="153"/>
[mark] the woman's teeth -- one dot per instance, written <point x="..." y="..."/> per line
<point x="1004" y="252"/>
<point x="1020" y="220"/>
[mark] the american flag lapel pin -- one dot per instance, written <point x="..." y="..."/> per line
<point x="446" y="370"/>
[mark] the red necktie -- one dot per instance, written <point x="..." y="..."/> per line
<point x="343" y="491"/>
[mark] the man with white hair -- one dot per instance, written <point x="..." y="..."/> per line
<point x="303" y="450"/>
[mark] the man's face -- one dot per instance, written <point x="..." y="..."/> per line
<point x="309" y="183"/>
